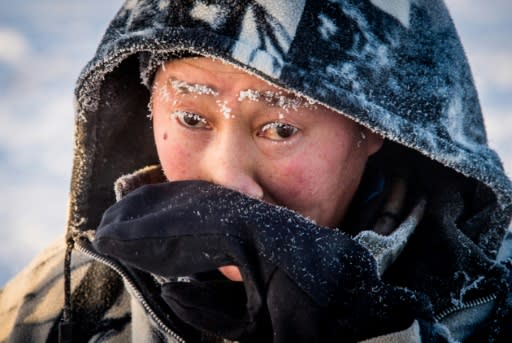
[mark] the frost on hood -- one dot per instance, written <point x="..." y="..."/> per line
<point x="396" y="67"/>
<point x="468" y="284"/>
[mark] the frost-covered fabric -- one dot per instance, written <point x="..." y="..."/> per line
<point x="395" y="66"/>
<point x="302" y="282"/>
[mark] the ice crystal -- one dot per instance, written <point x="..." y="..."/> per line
<point x="277" y="99"/>
<point x="225" y="110"/>
<point x="192" y="88"/>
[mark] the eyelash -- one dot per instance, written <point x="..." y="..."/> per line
<point x="182" y="116"/>
<point x="277" y="126"/>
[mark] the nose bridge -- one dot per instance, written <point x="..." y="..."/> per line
<point x="231" y="162"/>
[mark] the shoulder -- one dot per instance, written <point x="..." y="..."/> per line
<point x="34" y="298"/>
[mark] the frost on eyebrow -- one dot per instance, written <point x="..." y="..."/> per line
<point x="183" y="87"/>
<point x="276" y="99"/>
<point x="164" y="94"/>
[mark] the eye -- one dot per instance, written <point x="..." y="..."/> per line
<point x="190" y="120"/>
<point x="277" y="131"/>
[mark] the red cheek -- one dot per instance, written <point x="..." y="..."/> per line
<point x="177" y="161"/>
<point x="293" y="179"/>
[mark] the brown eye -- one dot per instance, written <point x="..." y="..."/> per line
<point x="190" y="120"/>
<point x="277" y="131"/>
<point x="285" y="131"/>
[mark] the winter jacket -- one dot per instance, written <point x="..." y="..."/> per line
<point x="396" y="67"/>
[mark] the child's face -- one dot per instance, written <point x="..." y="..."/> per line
<point x="217" y="123"/>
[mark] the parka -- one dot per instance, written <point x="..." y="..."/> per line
<point x="395" y="67"/>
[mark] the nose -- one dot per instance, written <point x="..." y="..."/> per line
<point x="231" y="163"/>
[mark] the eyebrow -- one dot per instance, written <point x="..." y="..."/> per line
<point x="272" y="98"/>
<point x="183" y="87"/>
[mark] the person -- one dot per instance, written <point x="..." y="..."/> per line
<point x="285" y="171"/>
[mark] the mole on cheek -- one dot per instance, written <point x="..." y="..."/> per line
<point x="165" y="136"/>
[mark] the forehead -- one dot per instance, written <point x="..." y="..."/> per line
<point x="217" y="76"/>
<point x="206" y="66"/>
<point x="207" y="77"/>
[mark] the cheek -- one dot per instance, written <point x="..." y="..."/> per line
<point x="291" y="180"/>
<point x="175" y="159"/>
<point x="295" y="180"/>
<point x="319" y="186"/>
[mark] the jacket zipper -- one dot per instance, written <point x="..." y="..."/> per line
<point x="465" y="306"/>
<point x="135" y="291"/>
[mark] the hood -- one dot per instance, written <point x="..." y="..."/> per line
<point x="396" y="67"/>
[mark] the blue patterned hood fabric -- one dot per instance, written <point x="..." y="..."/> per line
<point x="397" y="67"/>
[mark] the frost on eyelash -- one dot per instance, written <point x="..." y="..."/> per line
<point x="272" y="125"/>
<point x="181" y="114"/>
<point x="275" y="125"/>
<point x="276" y="99"/>
<point x="224" y="109"/>
<point x="193" y="88"/>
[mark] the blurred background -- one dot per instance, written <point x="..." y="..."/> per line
<point x="45" y="43"/>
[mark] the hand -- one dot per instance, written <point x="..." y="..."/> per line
<point x="301" y="282"/>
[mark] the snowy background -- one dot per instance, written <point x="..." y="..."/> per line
<point x="45" y="43"/>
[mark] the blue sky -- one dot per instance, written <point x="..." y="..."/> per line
<point x="45" y="43"/>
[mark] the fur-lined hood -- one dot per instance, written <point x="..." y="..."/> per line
<point x="396" y="67"/>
